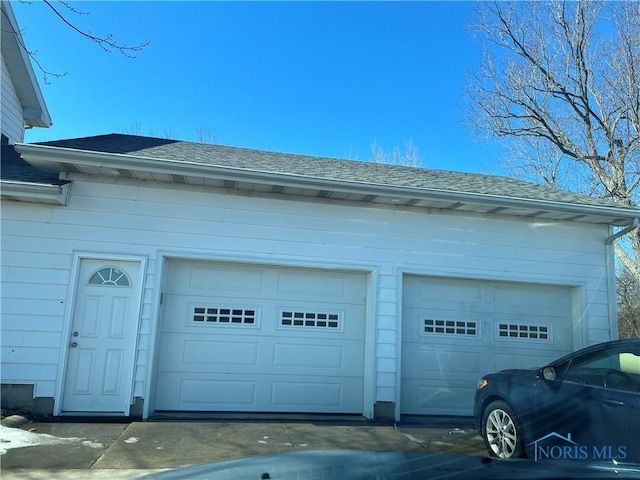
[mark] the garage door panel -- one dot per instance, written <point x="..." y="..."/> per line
<point x="198" y="352"/>
<point x="321" y="286"/>
<point x="441" y="364"/>
<point x="275" y="393"/>
<point x="448" y="399"/>
<point x="296" y="344"/>
<point x="503" y="361"/>
<point x="309" y="356"/>
<point x="315" y="357"/>
<point x="186" y="353"/>
<point x="462" y="362"/>
<point x="224" y="280"/>
<point x="439" y="295"/>
<point x="456" y="330"/>
<point x="205" y="392"/>
<point x="325" y="395"/>
<point x="514" y="300"/>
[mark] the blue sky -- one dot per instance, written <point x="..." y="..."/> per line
<point x="302" y="77"/>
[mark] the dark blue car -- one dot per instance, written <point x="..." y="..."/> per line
<point x="584" y="406"/>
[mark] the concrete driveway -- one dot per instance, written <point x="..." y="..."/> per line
<point x="37" y="451"/>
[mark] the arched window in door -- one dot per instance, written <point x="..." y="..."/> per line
<point x="110" y="276"/>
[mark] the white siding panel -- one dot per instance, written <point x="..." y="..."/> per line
<point x="36" y="323"/>
<point x="30" y="339"/>
<point x="35" y="275"/>
<point x="22" y="355"/>
<point x="12" y="117"/>
<point x="29" y="291"/>
<point x="19" y="306"/>
<point x="26" y="259"/>
<point x="121" y="216"/>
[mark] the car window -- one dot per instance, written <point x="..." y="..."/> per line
<point x="611" y="369"/>
<point x="630" y="363"/>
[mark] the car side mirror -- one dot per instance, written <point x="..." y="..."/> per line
<point x="549" y="373"/>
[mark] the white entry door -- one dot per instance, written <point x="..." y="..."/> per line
<point x="102" y="338"/>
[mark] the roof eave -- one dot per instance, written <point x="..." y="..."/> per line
<point x="34" y="107"/>
<point x="35" y="192"/>
<point x="53" y="158"/>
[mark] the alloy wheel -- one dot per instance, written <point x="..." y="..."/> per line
<point x="501" y="433"/>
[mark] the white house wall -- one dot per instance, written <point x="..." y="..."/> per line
<point x="146" y="219"/>
<point x="12" y="118"/>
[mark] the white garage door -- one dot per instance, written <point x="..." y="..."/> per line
<point x="260" y="339"/>
<point x="454" y="331"/>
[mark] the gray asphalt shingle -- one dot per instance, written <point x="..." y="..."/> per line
<point x="325" y="168"/>
<point x="13" y="167"/>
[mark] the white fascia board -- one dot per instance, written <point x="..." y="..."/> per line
<point x="36" y="192"/>
<point x="34" y="109"/>
<point x="48" y="158"/>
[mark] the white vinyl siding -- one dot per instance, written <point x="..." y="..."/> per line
<point x="125" y="217"/>
<point x="12" y="117"/>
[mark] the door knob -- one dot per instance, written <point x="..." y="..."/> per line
<point x="74" y="344"/>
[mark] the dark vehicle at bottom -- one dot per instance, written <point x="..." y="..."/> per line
<point x="370" y="465"/>
<point x="584" y="406"/>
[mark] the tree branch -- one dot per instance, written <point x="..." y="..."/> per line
<point x="107" y="43"/>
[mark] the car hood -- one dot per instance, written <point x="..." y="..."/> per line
<point x="520" y="371"/>
<point x="352" y="464"/>
<point x="514" y="376"/>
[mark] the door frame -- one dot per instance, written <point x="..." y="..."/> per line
<point x="74" y="283"/>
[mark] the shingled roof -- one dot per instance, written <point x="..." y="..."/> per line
<point x="325" y="168"/>
<point x="16" y="169"/>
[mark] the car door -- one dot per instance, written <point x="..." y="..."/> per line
<point x="634" y="433"/>
<point x="599" y="393"/>
<point x="563" y="408"/>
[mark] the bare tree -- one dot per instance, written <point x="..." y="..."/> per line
<point x="628" y="290"/>
<point x="63" y="11"/>
<point x="206" y="135"/>
<point x="560" y="83"/>
<point x="199" y="135"/>
<point x="408" y="156"/>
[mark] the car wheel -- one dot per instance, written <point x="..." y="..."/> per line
<point x="501" y="432"/>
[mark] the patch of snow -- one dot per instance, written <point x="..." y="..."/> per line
<point x="447" y="444"/>
<point x="17" y="438"/>
<point x="414" y="439"/>
<point x="262" y="441"/>
<point x="132" y="440"/>
<point x="89" y="443"/>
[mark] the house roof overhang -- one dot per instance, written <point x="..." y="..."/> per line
<point x="196" y="173"/>
<point x="34" y="108"/>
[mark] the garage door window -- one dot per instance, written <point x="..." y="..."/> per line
<point x="224" y="316"/>
<point x="302" y="319"/>
<point x="449" y="327"/>
<point x="524" y="332"/>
